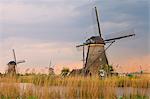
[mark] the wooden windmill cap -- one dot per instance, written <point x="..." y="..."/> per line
<point x="95" y="40"/>
<point x="12" y="63"/>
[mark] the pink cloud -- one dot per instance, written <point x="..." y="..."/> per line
<point x="133" y="64"/>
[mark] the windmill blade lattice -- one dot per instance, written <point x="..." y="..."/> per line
<point x="119" y="35"/>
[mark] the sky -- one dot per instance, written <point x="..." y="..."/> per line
<point x="44" y="30"/>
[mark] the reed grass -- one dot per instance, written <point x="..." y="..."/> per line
<point x="56" y="87"/>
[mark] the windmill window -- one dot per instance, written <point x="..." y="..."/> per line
<point x="92" y="41"/>
<point x="100" y="51"/>
<point x="100" y="59"/>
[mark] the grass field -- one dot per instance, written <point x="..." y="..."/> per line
<point x="56" y="87"/>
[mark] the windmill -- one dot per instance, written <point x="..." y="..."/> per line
<point x="96" y="58"/>
<point x="141" y="70"/>
<point x="13" y="64"/>
<point x="51" y="68"/>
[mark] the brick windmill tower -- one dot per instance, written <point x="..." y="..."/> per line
<point x="96" y="58"/>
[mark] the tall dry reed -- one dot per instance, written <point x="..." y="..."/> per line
<point x="56" y="87"/>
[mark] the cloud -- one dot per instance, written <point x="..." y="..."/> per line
<point x="21" y="13"/>
<point x="135" y="64"/>
<point x="41" y="29"/>
<point x="39" y="53"/>
<point x="38" y="21"/>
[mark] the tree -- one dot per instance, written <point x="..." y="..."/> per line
<point x="65" y="71"/>
<point x="108" y="69"/>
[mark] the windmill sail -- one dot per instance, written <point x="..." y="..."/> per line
<point x="96" y="57"/>
<point x="119" y="35"/>
<point x="20" y="61"/>
<point x="99" y="30"/>
<point x="14" y="55"/>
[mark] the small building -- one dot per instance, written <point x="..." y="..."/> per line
<point x="76" y="72"/>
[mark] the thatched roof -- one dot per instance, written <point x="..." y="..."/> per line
<point x="95" y="40"/>
<point x="12" y="63"/>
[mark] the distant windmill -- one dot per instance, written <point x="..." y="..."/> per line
<point x="142" y="70"/>
<point x="13" y="64"/>
<point x="96" y="58"/>
<point x="51" y="68"/>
